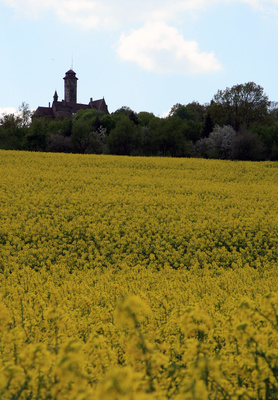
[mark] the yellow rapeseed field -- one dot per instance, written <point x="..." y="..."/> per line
<point x="137" y="278"/>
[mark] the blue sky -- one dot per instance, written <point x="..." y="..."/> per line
<point x="147" y="54"/>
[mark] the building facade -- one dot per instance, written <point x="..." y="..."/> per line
<point x="69" y="106"/>
<point x="70" y="87"/>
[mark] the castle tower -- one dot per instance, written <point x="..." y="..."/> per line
<point x="70" y="87"/>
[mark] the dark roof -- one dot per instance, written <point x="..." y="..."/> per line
<point x="67" y="110"/>
<point x="100" y="105"/>
<point x="70" y="74"/>
<point x="44" y="112"/>
<point x="97" y="104"/>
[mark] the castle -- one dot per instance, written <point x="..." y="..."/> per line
<point x="69" y="106"/>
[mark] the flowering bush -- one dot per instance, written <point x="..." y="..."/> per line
<point x="219" y="144"/>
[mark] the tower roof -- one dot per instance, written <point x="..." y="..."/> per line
<point x="55" y="97"/>
<point x="70" y="74"/>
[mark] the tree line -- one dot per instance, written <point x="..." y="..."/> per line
<point x="240" y="123"/>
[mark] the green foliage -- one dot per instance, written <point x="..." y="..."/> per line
<point x="86" y="138"/>
<point x="25" y="115"/>
<point x="189" y="130"/>
<point x="11" y="134"/>
<point x="88" y="135"/>
<point x="171" y="137"/>
<point x="36" y="136"/>
<point x="218" y="144"/>
<point x="208" y="125"/>
<point x="108" y="122"/>
<point x="192" y="111"/>
<point x="13" y="128"/>
<point x="145" y="118"/>
<point x="60" y="127"/>
<point x="125" y="138"/>
<point x="247" y="146"/>
<point x="269" y="137"/>
<point x="86" y="115"/>
<point x="59" y="144"/>
<point x="242" y="105"/>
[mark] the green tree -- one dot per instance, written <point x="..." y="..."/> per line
<point x="108" y="122"/>
<point x="269" y="137"/>
<point x="171" y="138"/>
<point x="86" y="139"/>
<point x="125" y="138"/>
<point x="25" y="115"/>
<point x="192" y="111"/>
<point x="88" y="134"/>
<point x="14" y="127"/>
<point x="128" y="112"/>
<point x="59" y="144"/>
<point x="37" y="135"/>
<point x="247" y="146"/>
<point x="148" y="125"/>
<point x="61" y="127"/>
<point x="240" y="106"/>
<point x="12" y="132"/>
<point x="89" y="114"/>
<point x="145" y="118"/>
<point x="208" y="125"/>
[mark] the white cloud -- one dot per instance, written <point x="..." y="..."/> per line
<point x="156" y="46"/>
<point x="8" y="110"/>
<point x="159" y="47"/>
<point x="83" y="13"/>
<point x="28" y="8"/>
<point x="108" y="14"/>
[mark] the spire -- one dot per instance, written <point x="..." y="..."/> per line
<point x="55" y="97"/>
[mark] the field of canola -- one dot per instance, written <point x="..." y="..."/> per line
<point x="137" y="278"/>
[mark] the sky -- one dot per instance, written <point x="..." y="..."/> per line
<point x="147" y="55"/>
